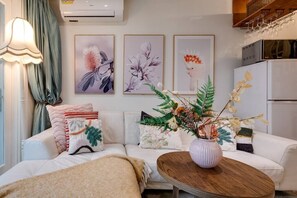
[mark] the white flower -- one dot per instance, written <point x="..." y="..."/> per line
<point x="146" y="48"/>
<point x="175" y="92"/>
<point x="172" y="123"/>
<point x="165" y="91"/>
<point x="159" y="85"/>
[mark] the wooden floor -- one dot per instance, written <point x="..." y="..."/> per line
<point x="168" y="194"/>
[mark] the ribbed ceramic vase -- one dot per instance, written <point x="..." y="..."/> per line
<point x="205" y="153"/>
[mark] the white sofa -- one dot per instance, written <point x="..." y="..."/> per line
<point x="275" y="156"/>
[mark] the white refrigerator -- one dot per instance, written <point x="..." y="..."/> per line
<point x="273" y="93"/>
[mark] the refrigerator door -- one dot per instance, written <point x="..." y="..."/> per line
<point x="254" y="100"/>
<point x="282" y="79"/>
<point x="282" y="117"/>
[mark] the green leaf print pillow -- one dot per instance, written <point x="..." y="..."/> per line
<point x="84" y="136"/>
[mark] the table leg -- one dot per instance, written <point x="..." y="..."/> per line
<point x="175" y="192"/>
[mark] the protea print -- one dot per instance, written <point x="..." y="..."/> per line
<point x="100" y="69"/>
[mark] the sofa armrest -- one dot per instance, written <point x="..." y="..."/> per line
<point x="40" y="147"/>
<point x="282" y="151"/>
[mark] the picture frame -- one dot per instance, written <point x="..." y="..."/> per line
<point x="94" y="63"/>
<point x="193" y="57"/>
<point x="143" y="62"/>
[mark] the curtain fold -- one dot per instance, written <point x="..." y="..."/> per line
<point x="45" y="79"/>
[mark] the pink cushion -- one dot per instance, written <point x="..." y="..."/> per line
<point x="57" y="118"/>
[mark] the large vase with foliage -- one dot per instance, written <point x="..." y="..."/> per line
<point x="196" y="116"/>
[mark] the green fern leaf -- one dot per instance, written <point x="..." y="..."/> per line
<point x="158" y="121"/>
<point x="160" y="111"/>
<point x="168" y="102"/>
<point x="205" y="99"/>
<point x="224" y="135"/>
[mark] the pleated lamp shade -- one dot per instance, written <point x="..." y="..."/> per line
<point x="19" y="44"/>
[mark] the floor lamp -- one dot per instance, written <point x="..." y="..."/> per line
<point x="19" y="46"/>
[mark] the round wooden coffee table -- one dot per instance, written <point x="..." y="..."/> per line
<point x="229" y="179"/>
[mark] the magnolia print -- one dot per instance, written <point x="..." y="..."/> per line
<point x="143" y="63"/>
<point x="94" y="64"/>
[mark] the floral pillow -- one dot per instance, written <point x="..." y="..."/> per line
<point x="84" y="135"/>
<point x="152" y="137"/>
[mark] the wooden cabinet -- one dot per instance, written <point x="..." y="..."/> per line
<point x="251" y="11"/>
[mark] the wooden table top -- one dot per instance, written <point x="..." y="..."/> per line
<point x="230" y="178"/>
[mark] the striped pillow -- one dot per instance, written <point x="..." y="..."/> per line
<point x="70" y="115"/>
<point x="56" y="115"/>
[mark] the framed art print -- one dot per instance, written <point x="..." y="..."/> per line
<point x="94" y="64"/>
<point x="143" y="62"/>
<point x="193" y="62"/>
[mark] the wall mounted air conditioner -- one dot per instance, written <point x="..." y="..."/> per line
<point x="92" y="10"/>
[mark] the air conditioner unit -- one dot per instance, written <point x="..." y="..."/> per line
<point x="92" y="10"/>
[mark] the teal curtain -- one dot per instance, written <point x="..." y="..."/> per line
<point x="45" y="79"/>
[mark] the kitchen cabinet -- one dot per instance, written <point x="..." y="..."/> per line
<point x="248" y="12"/>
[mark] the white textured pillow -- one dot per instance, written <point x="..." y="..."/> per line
<point x="155" y="138"/>
<point x="57" y="118"/>
<point x="84" y="135"/>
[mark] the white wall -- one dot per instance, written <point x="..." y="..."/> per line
<point x="166" y="17"/>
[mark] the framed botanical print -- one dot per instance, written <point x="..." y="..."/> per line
<point x="143" y="62"/>
<point x="193" y="62"/>
<point x="94" y="64"/>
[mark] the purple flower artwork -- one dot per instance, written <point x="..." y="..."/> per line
<point x="143" y="59"/>
<point x="94" y="64"/>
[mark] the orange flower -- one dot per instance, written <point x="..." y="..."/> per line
<point x="214" y="132"/>
<point x="192" y="58"/>
<point x="179" y="110"/>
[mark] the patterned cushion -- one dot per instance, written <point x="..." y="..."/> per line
<point x="69" y="115"/>
<point x="57" y="118"/>
<point x="226" y="145"/>
<point x="84" y="135"/>
<point x="244" y="140"/>
<point x="155" y="138"/>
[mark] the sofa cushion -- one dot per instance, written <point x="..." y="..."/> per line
<point x="150" y="156"/>
<point x="22" y="170"/>
<point x="26" y="169"/>
<point x="57" y="118"/>
<point x="144" y="115"/>
<point x="269" y="167"/>
<point x="225" y="145"/>
<point x="244" y="140"/>
<point x="70" y="115"/>
<point x="156" y="138"/>
<point x="112" y="127"/>
<point x="84" y="135"/>
<point x="132" y="130"/>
